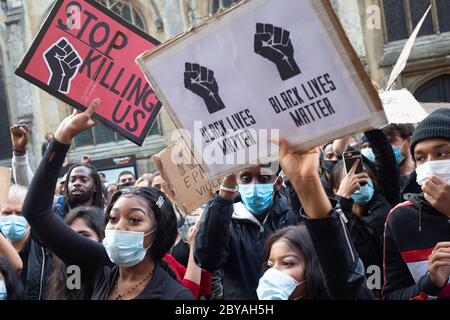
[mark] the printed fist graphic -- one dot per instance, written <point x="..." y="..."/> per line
<point x="274" y="44"/>
<point x="63" y="61"/>
<point x="201" y="81"/>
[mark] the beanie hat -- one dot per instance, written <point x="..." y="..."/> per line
<point x="435" y="126"/>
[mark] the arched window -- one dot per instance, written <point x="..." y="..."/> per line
<point x="101" y="134"/>
<point x="402" y="16"/>
<point x="221" y="4"/>
<point x="435" y="90"/>
<point x="126" y="10"/>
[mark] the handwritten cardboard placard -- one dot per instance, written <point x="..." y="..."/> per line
<point x="185" y="180"/>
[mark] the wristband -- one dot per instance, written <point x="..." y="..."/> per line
<point x="19" y="152"/>
<point x="229" y="187"/>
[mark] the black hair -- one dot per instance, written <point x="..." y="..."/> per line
<point x="14" y="287"/>
<point x="298" y="238"/>
<point x="405" y="130"/>
<point x="56" y="288"/>
<point x="92" y="216"/>
<point x="101" y="174"/>
<point x="166" y="221"/>
<point x="124" y="173"/>
<point x="97" y="198"/>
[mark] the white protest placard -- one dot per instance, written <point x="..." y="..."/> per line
<point x="263" y="65"/>
<point x="400" y="106"/>
<point x="5" y="182"/>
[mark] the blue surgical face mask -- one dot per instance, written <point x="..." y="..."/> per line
<point x="398" y="154"/>
<point x="257" y="198"/>
<point x="3" y="293"/>
<point x="364" y="194"/>
<point x="276" y="285"/>
<point x="368" y="153"/>
<point x="125" y="248"/>
<point x="13" y="227"/>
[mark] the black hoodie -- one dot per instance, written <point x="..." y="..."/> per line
<point x="412" y="231"/>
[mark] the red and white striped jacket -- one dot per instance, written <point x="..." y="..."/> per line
<point x="412" y="231"/>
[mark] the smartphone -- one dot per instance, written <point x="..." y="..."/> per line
<point x="349" y="160"/>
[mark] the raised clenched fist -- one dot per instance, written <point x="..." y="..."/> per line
<point x="63" y="61"/>
<point x="201" y="81"/>
<point x="274" y="44"/>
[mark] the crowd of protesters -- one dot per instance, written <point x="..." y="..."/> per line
<point x="314" y="229"/>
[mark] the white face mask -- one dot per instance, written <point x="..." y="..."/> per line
<point x="125" y="248"/>
<point x="276" y="285"/>
<point x="439" y="169"/>
<point x="3" y="294"/>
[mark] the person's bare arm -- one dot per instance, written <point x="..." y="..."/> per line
<point x="193" y="272"/>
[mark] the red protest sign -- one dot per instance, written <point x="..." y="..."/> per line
<point x="84" y="51"/>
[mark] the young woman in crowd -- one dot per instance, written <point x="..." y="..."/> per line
<point x="140" y="230"/>
<point x="88" y="222"/>
<point x="294" y="254"/>
<point x="367" y="198"/>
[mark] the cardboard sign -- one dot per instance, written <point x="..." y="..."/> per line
<point x="185" y="180"/>
<point x="5" y="182"/>
<point x="400" y="106"/>
<point x="84" y="51"/>
<point x="263" y="65"/>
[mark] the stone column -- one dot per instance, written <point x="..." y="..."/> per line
<point x="20" y="92"/>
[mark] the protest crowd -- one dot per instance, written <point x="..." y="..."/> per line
<point x="314" y="229"/>
<point x="362" y="217"/>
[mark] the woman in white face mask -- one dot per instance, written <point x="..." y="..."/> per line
<point x="294" y="254"/>
<point x="292" y="271"/>
<point x="141" y="228"/>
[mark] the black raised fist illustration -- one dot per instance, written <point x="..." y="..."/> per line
<point x="201" y="81"/>
<point x="63" y="61"/>
<point x="274" y="44"/>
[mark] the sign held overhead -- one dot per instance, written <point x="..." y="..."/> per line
<point x="260" y="67"/>
<point x="84" y="51"/>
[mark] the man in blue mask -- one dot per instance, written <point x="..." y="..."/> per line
<point x="36" y="259"/>
<point x="399" y="136"/>
<point x="235" y="223"/>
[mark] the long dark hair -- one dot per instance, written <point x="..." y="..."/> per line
<point x="14" y="287"/>
<point x="298" y="237"/>
<point x="56" y="287"/>
<point x="166" y="221"/>
<point x="98" y="198"/>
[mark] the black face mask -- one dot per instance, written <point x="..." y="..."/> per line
<point x="328" y="165"/>
<point x="125" y="185"/>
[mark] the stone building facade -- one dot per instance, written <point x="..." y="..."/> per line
<point x="377" y="29"/>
